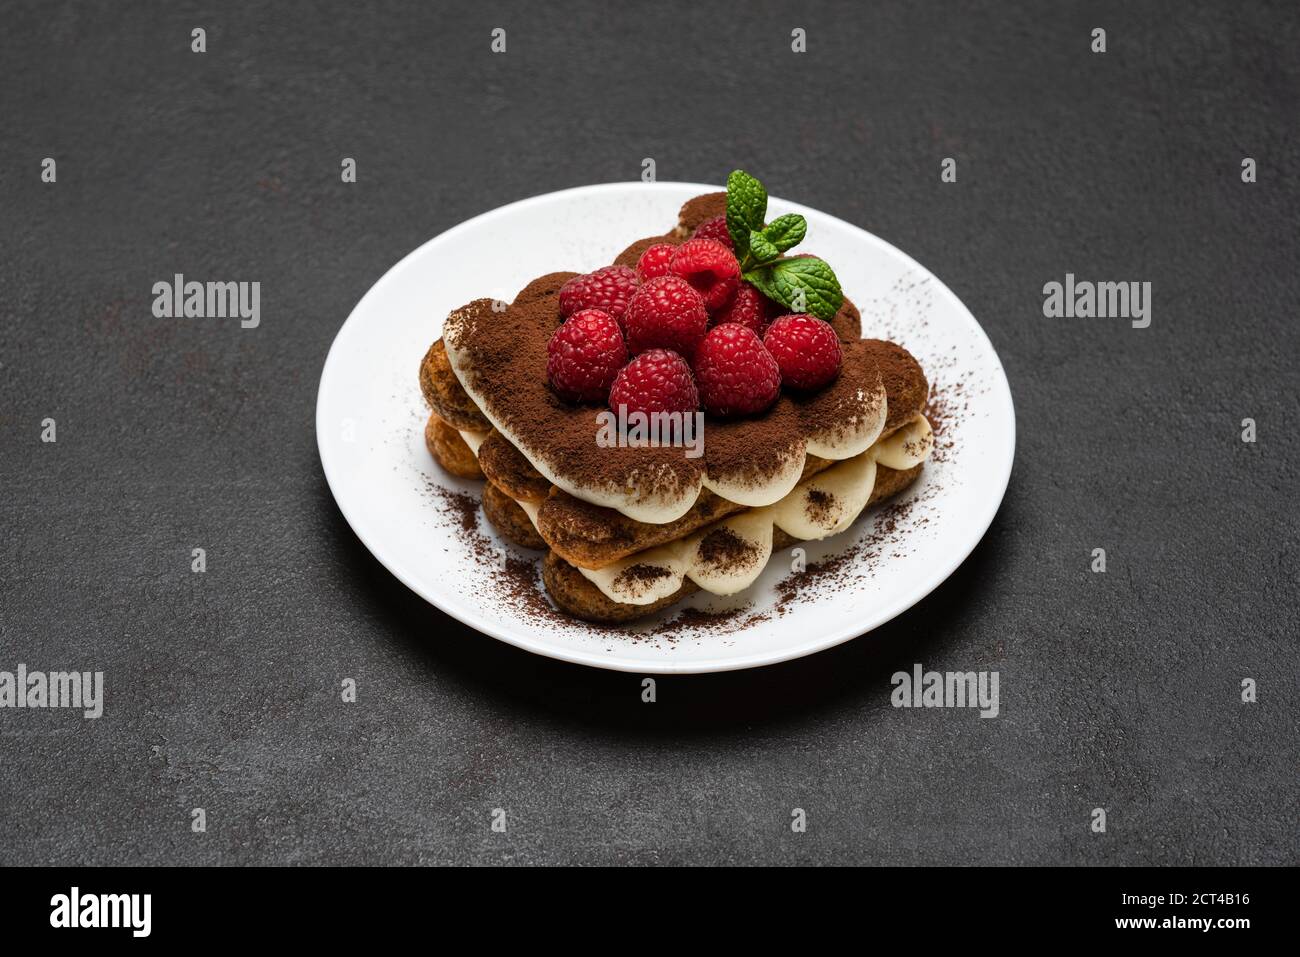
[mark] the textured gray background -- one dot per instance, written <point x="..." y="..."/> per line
<point x="1118" y="690"/>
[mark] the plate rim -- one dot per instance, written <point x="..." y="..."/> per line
<point x="590" y="659"/>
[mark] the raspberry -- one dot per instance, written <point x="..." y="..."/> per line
<point x="657" y="380"/>
<point x="666" y="312"/>
<point x="806" y="350"/>
<point x="655" y="260"/>
<point x="749" y="308"/>
<point x="715" y="228"/>
<point x="607" y="289"/>
<point x="735" y="374"/>
<point x="584" y="355"/>
<point x="710" y="267"/>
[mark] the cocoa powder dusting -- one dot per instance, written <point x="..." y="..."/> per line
<point x="637" y="578"/>
<point x="466" y="510"/>
<point x="516" y="579"/>
<point x="949" y="404"/>
<point x="819" y="505"/>
<point x="726" y="551"/>
<point x="893" y="522"/>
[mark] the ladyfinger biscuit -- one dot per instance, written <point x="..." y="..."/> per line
<point x="508" y="517"/>
<point x="449" y="449"/>
<point x="506" y="467"/>
<point x="445" y="394"/>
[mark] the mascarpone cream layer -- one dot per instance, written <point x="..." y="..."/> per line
<point x="473" y="439"/>
<point x="821" y="506"/>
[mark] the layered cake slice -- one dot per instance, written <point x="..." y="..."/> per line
<point x="664" y="424"/>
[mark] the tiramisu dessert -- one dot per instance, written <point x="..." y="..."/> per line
<point x="663" y="424"/>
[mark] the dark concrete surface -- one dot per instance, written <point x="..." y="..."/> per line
<point x="1119" y="691"/>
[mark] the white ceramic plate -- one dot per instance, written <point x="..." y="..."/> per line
<point x="370" y="418"/>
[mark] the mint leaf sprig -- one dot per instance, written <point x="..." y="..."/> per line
<point x="801" y="283"/>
